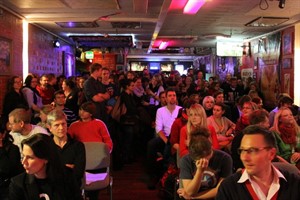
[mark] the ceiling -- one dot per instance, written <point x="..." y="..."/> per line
<point x="144" y="24"/>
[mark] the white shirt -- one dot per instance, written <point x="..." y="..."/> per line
<point x="273" y="188"/>
<point x="18" y="138"/>
<point x="165" y="119"/>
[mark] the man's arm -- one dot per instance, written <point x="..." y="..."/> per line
<point x="192" y="186"/>
<point x="100" y="97"/>
<point x="162" y="135"/>
<point x="159" y="127"/>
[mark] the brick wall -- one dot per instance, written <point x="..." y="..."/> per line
<point x="43" y="57"/>
<point x="10" y="30"/>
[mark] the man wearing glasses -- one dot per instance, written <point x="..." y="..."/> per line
<point x="260" y="179"/>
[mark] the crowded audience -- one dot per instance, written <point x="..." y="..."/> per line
<point x="211" y="129"/>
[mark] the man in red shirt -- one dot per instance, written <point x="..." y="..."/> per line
<point x="45" y="91"/>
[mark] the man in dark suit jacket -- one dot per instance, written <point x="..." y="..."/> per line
<point x="260" y="179"/>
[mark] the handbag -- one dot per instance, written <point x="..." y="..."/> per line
<point x="118" y="110"/>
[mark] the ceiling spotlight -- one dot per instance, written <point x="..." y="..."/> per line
<point x="281" y="4"/>
<point x="56" y="44"/>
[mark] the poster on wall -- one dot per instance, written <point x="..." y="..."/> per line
<point x="268" y="66"/>
<point x="5" y="55"/>
<point x="246" y="73"/>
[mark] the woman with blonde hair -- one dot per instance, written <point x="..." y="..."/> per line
<point x="287" y="134"/>
<point x="208" y="104"/>
<point x="196" y="118"/>
<point x="155" y="87"/>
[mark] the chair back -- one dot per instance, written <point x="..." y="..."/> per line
<point x="97" y="155"/>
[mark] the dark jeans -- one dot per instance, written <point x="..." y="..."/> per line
<point x="127" y="136"/>
<point x="155" y="149"/>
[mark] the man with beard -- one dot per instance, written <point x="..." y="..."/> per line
<point x="165" y="117"/>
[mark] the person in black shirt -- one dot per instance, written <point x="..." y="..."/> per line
<point x="45" y="176"/>
<point x="10" y="164"/>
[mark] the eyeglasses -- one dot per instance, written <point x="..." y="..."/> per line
<point x="252" y="150"/>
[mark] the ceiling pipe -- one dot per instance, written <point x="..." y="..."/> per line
<point x="160" y="21"/>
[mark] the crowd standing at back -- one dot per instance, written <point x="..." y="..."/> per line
<point x="154" y="125"/>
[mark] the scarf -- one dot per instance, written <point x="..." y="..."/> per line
<point x="288" y="134"/>
<point x="138" y="91"/>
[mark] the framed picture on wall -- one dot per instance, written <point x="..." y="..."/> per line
<point x="5" y="55"/>
<point x="287" y="63"/>
<point x="287" y="44"/>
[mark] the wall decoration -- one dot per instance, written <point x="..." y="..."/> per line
<point x="5" y="55"/>
<point x="286" y="83"/>
<point x="69" y="64"/>
<point x="287" y="63"/>
<point x="254" y="75"/>
<point x="287" y="44"/>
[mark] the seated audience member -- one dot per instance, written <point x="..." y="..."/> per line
<point x="219" y="98"/>
<point x="196" y="118"/>
<point x="72" y="151"/>
<point x="165" y="117"/>
<point x="19" y="123"/>
<point x="234" y="90"/>
<point x="284" y="101"/>
<point x="247" y="108"/>
<point x="208" y="104"/>
<point x="287" y="134"/>
<point x="45" y="177"/>
<point x="89" y="129"/>
<point x="155" y="87"/>
<point x="260" y="179"/>
<point x="203" y="169"/>
<point x="31" y="95"/>
<point x="10" y="164"/>
<point x="45" y="110"/>
<point x="59" y="103"/>
<point x="179" y="122"/>
<point x="13" y="97"/>
<point x="223" y="127"/>
<point x="261" y="118"/>
<point x="258" y="102"/>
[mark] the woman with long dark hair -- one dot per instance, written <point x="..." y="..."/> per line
<point x="71" y="93"/>
<point x="31" y="94"/>
<point x="10" y="164"/>
<point x="45" y="174"/>
<point x="13" y="97"/>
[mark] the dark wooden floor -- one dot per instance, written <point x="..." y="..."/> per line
<point x="130" y="183"/>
